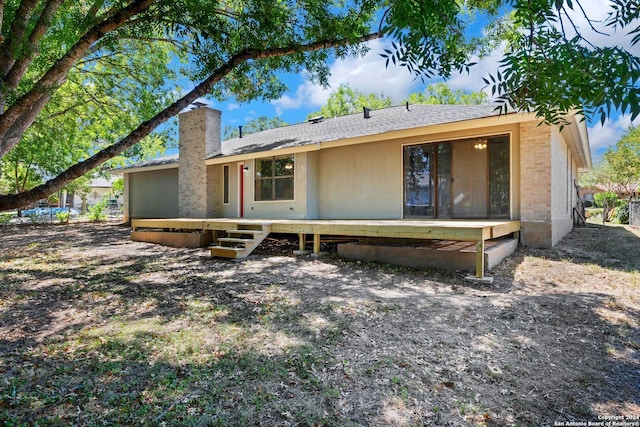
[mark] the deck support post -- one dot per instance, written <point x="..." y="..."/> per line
<point x="302" y="242"/>
<point x="480" y="259"/>
<point x="316" y="247"/>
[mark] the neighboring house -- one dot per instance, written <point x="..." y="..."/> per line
<point x="436" y="162"/>
<point x="625" y="192"/>
<point x="99" y="189"/>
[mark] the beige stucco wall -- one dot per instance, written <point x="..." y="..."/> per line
<point x="229" y="210"/>
<point x="360" y="182"/>
<point x="153" y="194"/>
<point x="283" y="209"/>
<point x="312" y="185"/>
<point x="214" y="191"/>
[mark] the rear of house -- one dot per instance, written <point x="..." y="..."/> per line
<point x="423" y="162"/>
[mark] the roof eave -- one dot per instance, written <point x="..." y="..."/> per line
<point x="576" y="132"/>
<point x="171" y="165"/>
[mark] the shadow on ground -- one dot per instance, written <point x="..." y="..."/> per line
<point x="97" y="329"/>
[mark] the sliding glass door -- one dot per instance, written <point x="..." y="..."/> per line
<point x="457" y="179"/>
<point x="469" y="184"/>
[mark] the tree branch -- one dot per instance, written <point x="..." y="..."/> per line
<point x="32" y="45"/>
<point x="93" y="10"/>
<point x="65" y="110"/>
<point x="11" y="201"/>
<point x="19" y="116"/>
<point x="18" y="29"/>
<point x="1" y="20"/>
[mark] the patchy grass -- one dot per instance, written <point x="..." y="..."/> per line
<point x="96" y="329"/>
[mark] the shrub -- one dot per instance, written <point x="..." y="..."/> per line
<point x="97" y="212"/>
<point x="608" y="197"/>
<point x="593" y="212"/>
<point x="62" y="216"/>
<point x="620" y="213"/>
<point x="5" y="218"/>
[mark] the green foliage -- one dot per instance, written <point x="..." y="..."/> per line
<point x="5" y="218"/>
<point x="605" y="198"/>
<point x="117" y="187"/>
<point x="440" y="93"/>
<point x="98" y="212"/>
<point x="431" y="38"/>
<point x="596" y="79"/>
<point x="593" y="212"/>
<point x="620" y="214"/>
<point x="94" y="110"/>
<point x="17" y="172"/>
<point x="624" y="160"/>
<point x="544" y="46"/>
<point x="346" y="100"/>
<point x="256" y="125"/>
<point x="63" y="216"/>
<point x="619" y="171"/>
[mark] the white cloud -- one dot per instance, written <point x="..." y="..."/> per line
<point x="603" y="136"/>
<point x="201" y="100"/>
<point x="473" y="80"/>
<point x="595" y="29"/>
<point x="232" y="106"/>
<point x="367" y="74"/>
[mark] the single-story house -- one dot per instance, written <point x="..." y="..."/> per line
<point x="435" y="162"/>
<point x="99" y="189"/>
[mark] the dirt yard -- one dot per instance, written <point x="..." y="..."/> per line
<point x="98" y="330"/>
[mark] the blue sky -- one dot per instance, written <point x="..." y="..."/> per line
<point x="369" y="74"/>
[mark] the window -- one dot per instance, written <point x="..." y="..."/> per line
<point x="274" y="178"/>
<point x="225" y="184"/>
<point x="419" y="180"/>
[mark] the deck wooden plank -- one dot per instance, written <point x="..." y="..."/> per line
<point x="477" y="231"/>
<point x="505" y="229"/>
<point x="183" y="223"/>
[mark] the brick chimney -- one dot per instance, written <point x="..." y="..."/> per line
<point x="199" y="139"/>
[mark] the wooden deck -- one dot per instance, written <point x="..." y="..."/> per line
<point x="462" y="230"/>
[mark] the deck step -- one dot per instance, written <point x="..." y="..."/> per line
<point x="228" y="252"/>
<point x="235" y="240"/>
<point x="243" y="231"/>
<point x="240" y="241"/>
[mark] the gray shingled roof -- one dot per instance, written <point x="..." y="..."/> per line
<point x="354" y="125"/>
<point x="351" y="126"/>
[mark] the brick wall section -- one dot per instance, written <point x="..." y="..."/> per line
<point x="561" y="188"/>
<point x="199" y="139"/>
<point x="535" y="179"/>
